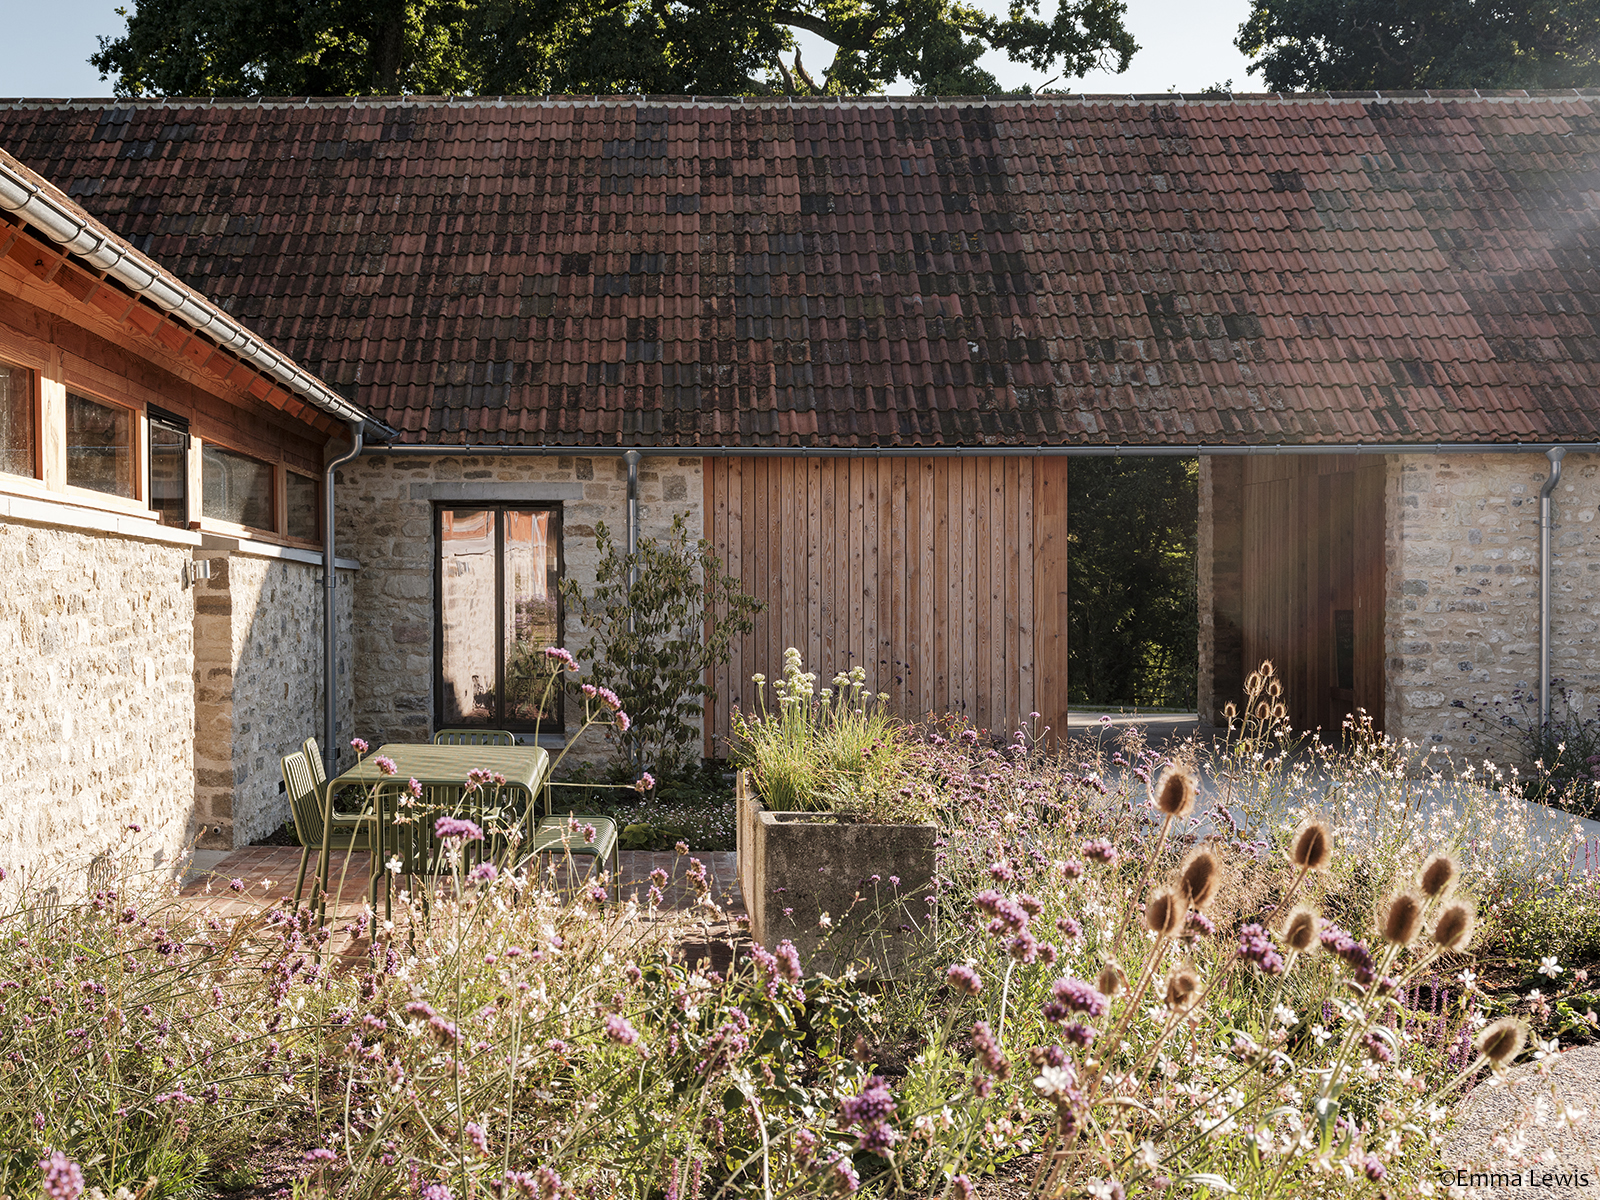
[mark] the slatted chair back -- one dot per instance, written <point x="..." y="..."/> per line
<point x="409" y="828"/>
<point x="474" y="737"/>
<point x="314" y="760"/>
<point x="304" y="802"/>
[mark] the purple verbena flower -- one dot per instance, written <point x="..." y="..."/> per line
<point x="963" y="979"/>
<point x="359" y="745"/>
<point x="564" y="657"/>
<point x="454" y="827"/>
<point x="63" y="1178"/>
<point x="1255" y="946"/>
<point x="646" y="782"/>
<point x="1100" y="850"/>
<point x="1078" y="996"/>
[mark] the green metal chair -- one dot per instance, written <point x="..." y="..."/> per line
<point x="474" y="737"/>
<point x="349" y="832"/>
<point x="557" y="835"/>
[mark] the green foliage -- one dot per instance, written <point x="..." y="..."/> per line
<point x="658" y="638"/>
<point x="1132" y="625"/>
<point x="1349" y="45"/>
<point x="503" y="47"/>
<point x="839" y="752"/>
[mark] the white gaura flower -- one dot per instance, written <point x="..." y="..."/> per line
<point x="1549" y="966"/>
<point x="1053" y="1081"/>
<point x="1570" y="1117"/>
<point x="1286" y="1015"/>
<point x="1320" y="1035"/>
<point x="1467" y="979"/>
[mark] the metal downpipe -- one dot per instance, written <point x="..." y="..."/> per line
<point x="1555" y="455"/>
<point x="330" y="632"/>
<point x="632" y="458"/>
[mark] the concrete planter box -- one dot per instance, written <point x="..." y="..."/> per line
<point x="814" y="863"/>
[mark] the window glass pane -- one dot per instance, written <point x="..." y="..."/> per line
<point x="531" y="583"/>
<point x="302" y="502"/>
<point x="16" y="421"/>
<point x="467" y="616"/>
<point x="100" y="454"/>
<point x="169" y="473"/>
<point x="236" y="488"/>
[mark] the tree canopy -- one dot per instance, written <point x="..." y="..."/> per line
<point x="1377" y="45"/>
<point x="1132" y="628"/>
<point x="535" y="47"/>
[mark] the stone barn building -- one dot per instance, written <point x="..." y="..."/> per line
<point x="857" y="343"/>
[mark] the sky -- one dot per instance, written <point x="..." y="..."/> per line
<point x="1185" y="45"/>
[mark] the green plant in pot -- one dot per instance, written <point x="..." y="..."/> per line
<point x="836" y="851"/>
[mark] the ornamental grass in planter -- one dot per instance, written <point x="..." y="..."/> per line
<point x="836" y="848"/>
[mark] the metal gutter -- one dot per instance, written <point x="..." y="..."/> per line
<point x="1007" y="451"/>
<point x="1555" y="454"/>
<point x="99" y="249"/>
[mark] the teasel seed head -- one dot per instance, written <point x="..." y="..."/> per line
<point x="1175" y="792"/>
<point x="1502" y="1041"/>
<point x="1300" y="929"/>
<point x="1165" y="910"/>
<point x="1183" y="987"/>
<point x="1199" y="874"/>
<point x="1311" y="848"/>
<point x="1252" y="684"/>
<point x="1402" y="918"/>
<point x="1438" y="875"/>
<point x="1111" y="980"/>
<point x="1453" y="930"/>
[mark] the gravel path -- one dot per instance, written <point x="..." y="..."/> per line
<point x="1516" y="1128"/>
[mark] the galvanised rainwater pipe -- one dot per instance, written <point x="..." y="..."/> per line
<point x="632" y="457"/>
<point x="330" y="631"/>
<point x="1555" y="454"/>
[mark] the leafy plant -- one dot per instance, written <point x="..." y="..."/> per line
<point x="662" y="620"/>
<point x="839" y="751"/>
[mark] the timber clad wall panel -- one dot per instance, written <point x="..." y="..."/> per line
<point x="1313" y="550"/>
<point x="928" y="572"/>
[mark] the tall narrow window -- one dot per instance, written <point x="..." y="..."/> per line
<point x="100" y="449"/>
<point x="499" y="606"/>
<point x="16" y="421"/>
<point x="236" y="488"/>
<point x="169" y="467"/>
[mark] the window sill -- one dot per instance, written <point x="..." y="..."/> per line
<point x="256" y="548"/>
<point x="51" y="508"/>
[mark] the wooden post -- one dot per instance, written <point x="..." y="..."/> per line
<point x="1050" y="593"/>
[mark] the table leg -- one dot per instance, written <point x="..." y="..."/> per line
<point x="325" y="854"/>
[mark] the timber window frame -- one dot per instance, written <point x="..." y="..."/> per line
<point x="19" y="404"/>
<point x="488" y="704"/>
<point x="125" y="446"/>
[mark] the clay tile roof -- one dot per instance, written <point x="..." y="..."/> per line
<point x="892" y="272"/>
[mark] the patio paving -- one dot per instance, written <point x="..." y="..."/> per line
<point x="268" y="873"/>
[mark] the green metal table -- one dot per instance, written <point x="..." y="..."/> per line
<point x="442" y="772"/>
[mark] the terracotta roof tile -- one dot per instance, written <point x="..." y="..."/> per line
<point x="879" y="272"/>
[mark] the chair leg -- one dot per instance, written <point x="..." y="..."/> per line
<point x="372" y="903"/>
<point x="300" y="884"/>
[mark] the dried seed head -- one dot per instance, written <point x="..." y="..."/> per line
<point x="1252" y="685"/>
<point x="1453" y="931"/>
<point x="1230" y="712"/>
<point x="1183" y="988"/>
<point x="1274" y="689"/>
<point x="1263" y="710"/>
<point x="1300" y="929"/>
<point x="1311" y="849"/>
<point x="1199" y="874"/>
<point x="1111" y="980"/>
<point x="1438" y="875"/>
<point x="1502" y="1041"/>
<point x="1165" y="910"/>
<point x="1402" y="918"/>
<point x="1175" y="792"/>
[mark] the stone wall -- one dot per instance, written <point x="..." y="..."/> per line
<point x="385" y="517"/>
<point x="1463" y="594"/>
<point x="258" y="686"/>
<point x="96" y="701"/>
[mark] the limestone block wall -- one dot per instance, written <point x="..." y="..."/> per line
<point x="1463" y="593"/>
<point x="96" y="701"/>
<point x="385" y="519"/>
<point x="258" y="686"/>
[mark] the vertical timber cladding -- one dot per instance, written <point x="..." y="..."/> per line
<point x="1314" y="582"/>
<point x="928" y="572"/>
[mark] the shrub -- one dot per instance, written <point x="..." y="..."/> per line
<point x="663" y="620"/>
